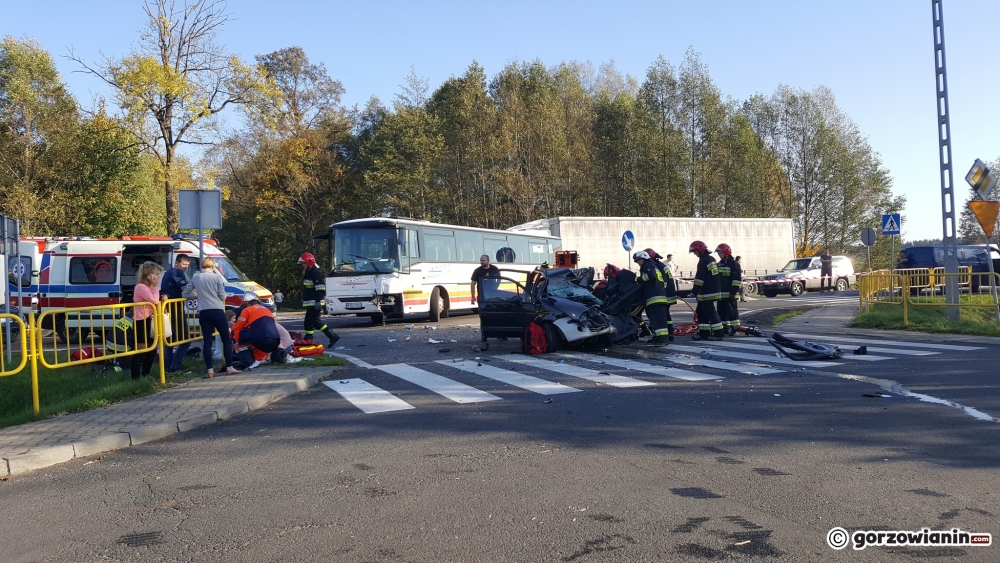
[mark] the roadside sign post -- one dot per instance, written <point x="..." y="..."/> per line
<point x="628" y="243"/>
<point x="200" y="209"/>
<point x="868" y="239"/>
<point x="890" y="226"/>
<point x="10" y="231"/>
<point x="986" y="213"/>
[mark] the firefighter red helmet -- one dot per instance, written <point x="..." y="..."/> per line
<point x="724" y="249"/>
<point x="308" y="259"/>
<point x="653" y="254"/>
<point x="698" y="247"/>
<point x="611" y="271"/>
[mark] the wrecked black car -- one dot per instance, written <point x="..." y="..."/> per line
<point x="559" y="299"/>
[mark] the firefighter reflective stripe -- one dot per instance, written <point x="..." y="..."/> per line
<point x="698" y="282"/>
<point x="124" y="323"/>
<point x="307" y="283"/>
<point x="321" y="287"/>
<point x="658" y="300"/>
<point x="310" y="303"/>
<point x="709" y="296"/>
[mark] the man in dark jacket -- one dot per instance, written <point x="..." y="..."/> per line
<point x="730" y="280"/>
<point x="656" y="297"/>
<point x="313" y="298"/>
<point x="172" y="283"/>
<point x="707" y="290"/>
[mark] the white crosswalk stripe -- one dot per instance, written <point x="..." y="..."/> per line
<point x="643" y="367"/>
<point x="767" y="348"/>
<point x="927" y="345"/>
<point x="576" y="371"/>
<point x="748" y="356"/>
<point x="367" y="397"/>
<point x="458" y="392"/>
<point x="526" y="382"/>
<point x="769" y="359"/>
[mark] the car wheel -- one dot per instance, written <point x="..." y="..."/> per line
<point x="378" y="319"/>
<point x="770" y="293"/>
<point x="552" y="337"/>
<point x="842" y="285"/>
<point x="437" y="306"/>
<point x="750" y="288"/>
<point x="795" y="289"/>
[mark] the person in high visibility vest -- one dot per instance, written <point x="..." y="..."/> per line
<point x="707" y="291"/>
<point x="313" y="298"/>
<point x="653" y="290"/>
<point x="730" y="280"/>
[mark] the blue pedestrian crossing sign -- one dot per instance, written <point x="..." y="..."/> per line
<point x="890" y="224"/>
<point x="628" y="241"/>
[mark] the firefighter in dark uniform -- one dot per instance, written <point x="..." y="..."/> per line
<point x="655" y="295"/>
<point x="707" y="290"/>
<point x="668" y="285"/>
<point x="730" y="279"/>
<point x="313" y="298"/>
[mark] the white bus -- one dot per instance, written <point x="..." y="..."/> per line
<point x="392" y="267"/>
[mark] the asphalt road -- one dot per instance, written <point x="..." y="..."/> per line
<point x="757" y="463"/>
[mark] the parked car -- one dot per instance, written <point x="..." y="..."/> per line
<point x="803" y="274"/>
<point x="559" y="298"/>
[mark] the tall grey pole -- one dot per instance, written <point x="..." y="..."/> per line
<point x="949" y="223"/>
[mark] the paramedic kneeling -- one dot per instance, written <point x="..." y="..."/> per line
<point x="256" y="327"/>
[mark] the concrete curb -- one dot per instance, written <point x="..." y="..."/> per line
<point x="127" y="436"/>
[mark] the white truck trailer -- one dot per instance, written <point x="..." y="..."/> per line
<point x="764" y="244"/>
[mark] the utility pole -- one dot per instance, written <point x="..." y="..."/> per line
<point x="949" y="224"/>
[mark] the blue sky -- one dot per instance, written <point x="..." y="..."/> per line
<point x="876" y="56"/>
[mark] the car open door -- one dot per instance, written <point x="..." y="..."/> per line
<point x="504" y="307"/>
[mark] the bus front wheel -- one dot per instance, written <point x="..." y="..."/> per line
<point x="438" y="305"/>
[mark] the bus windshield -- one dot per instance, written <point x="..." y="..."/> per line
<point x="371" y="250"/>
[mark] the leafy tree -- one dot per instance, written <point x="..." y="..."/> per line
<point x="38" y="119"/>
<point x="177" y="80"/>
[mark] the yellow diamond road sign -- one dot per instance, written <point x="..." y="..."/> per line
<point x="980" y="178"/>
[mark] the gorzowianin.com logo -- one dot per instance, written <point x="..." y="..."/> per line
<point x="839" y="538"/>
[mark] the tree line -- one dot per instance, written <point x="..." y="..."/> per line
<point x="529" y="142"/>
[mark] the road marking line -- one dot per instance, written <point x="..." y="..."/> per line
<point x="648" y="368"/>
<point x="458" y="392"/>
<point x="576" y="371"/>
<point x="771" y="359"/>
<point x="898" y="342"/>
<point x="739" y="368"/>
<point x="526" y="382"/>
<point x="768" y="348"/>
<point x="352" y="359"/>
<point x="367" y="397"/>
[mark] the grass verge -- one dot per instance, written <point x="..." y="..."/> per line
<point x="787" y="315"/>
<point x="977" y="321"/>
<point x="77" y="389"/>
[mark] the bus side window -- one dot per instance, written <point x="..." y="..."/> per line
<point x="413" y="248"/>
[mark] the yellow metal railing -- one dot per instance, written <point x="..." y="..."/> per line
<point x="921" y="286"/>
<point x="110" y="328"/>
<point x="17" y="325"/>
<point x="96" y="334"/>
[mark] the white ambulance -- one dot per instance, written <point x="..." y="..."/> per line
<point x="82" y="272"/>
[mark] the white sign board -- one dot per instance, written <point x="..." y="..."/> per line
<point x="200" y="209"/>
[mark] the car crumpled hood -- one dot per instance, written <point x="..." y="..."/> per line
<point x="571" y="308"/>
